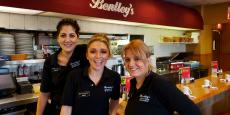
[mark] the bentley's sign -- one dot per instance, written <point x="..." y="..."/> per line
<point x="116" y="7"/>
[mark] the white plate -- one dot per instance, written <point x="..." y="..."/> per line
<point x="6" y="36"/>
<point x="8" y="41"/>
<point x="8" y="53"/>
<point x="7" y="49"/>
<point x="23" y="46"/>
<point x="28" y="48"/>
<point x="23" y="41"/>
<point x="7" y="46"/>
<point x="25" y="52"/>
<point x="18" y="35"/>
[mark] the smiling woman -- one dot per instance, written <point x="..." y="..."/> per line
<point x="95" y="87"/>
<point x="58" y="65"/>
<point x="98" y="52"/>
<point x="149" y="94"/>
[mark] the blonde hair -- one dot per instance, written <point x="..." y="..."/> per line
<point x="101" y="38"/>
<point x="139" y="49"/>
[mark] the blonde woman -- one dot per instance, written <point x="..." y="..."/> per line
<point x="149" y="94"/>
<point x="93" y="90"/>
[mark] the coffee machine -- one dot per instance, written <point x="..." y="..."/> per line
<point x="163" y="64"/>
<point x="119" y="68"/>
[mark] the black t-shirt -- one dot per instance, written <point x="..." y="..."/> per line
<point x="54" y="76"/>
<point x="158" y="97"/>
<point x="86" y="98"/>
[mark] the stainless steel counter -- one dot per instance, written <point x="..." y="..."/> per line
<point x="18" y="99"/>
<point x="166" y="72"/>
<point x="32" y="61"/>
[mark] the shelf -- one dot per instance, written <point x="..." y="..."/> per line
<point x="32" y="61"/>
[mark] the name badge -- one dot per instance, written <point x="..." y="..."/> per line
<point x="55" y="69"/>
<point x="144" y="98"/>
<point x="75" y="64"/>
<point x="84" y="94"/>
<point x="108" y="88"/>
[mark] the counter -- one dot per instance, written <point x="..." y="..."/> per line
<point x="171" y="75"/>
<point x="17" y="100"/>
<point x="209" y="100"/>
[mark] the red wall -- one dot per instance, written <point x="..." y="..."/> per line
<point x="145" y="11"/>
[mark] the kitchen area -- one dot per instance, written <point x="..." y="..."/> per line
<point x="27" y="38"/>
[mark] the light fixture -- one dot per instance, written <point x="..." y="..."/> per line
<point x="19" y="10"/>
<point x="219" y="26"/>
<point x="228" y="14"/>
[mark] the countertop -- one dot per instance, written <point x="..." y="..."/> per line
<point x="209" y="100"/>
<point x="18" y="99"/>
<point x="166" y="72"/>
<point x="201" y="93"/>
<point x="204" y="97"/>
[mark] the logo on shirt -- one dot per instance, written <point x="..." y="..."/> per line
<point x="55" y="69"/>
<point x="75" y="64"/>
<point x="84" y="93"/>
<point x="144" y="98"/>
<point x="108" y="88"/>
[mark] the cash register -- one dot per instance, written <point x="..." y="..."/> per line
<point x="7" y="83"/>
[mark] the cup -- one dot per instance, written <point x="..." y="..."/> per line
<point x="227" y="77"/>
<point x="186" y="90"/>
<point x="207" y="83"/>
<point x="36" y="88"/>
<point x="124" y="96"/>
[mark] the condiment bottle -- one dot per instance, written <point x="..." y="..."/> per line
<point x="20" y="71"/>
<point x="26" y="71"/>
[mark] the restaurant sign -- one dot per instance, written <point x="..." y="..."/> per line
<point x="116" y="7"/>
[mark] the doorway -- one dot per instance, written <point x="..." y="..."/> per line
<point x="216" y="45"/>
<point x="221" y="46"/>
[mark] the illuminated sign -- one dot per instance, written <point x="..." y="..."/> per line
<point x="116" y="7"/>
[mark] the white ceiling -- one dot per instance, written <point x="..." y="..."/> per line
<point x="197" y="2"/>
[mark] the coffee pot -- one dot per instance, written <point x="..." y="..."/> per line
<point x="119" y="68"/>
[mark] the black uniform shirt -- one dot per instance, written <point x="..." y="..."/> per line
<point x="86" y="98"/>
<point x="158" y="97"/>
<point x="54" y="76"/>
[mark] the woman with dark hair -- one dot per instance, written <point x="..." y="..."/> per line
<point x="149" y="94"/>
<point x="93" y="90"/>
<point x="57" y="66"/>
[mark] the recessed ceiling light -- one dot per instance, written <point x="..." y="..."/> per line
<point x="19" y="10"/>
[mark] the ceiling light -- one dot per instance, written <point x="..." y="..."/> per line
<point x="19" y="10"/>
